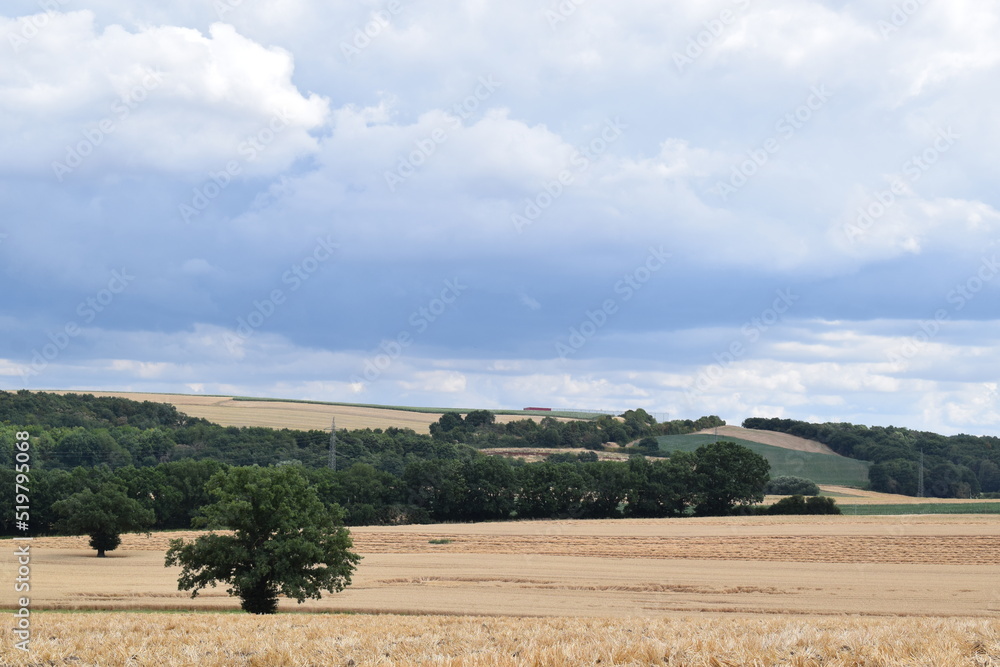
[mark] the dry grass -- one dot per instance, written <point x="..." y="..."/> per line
<point x="214" y="640"/>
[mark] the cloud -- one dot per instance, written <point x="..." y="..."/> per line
<point x="418" y="153"/>
<point x="160" y="99"/>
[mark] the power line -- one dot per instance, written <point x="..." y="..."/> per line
<point x="333" y="444"/>
<point x="920" y="477"/>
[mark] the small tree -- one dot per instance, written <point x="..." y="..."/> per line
<point x="801" y="505"/>
<point x="285" y="540"/>
<point x="727" y="475"/>
<point x="104" y="516"/>
<point x="649" y="446"/>
<point x="478" y="418"/>
<point x="787" y="485"/>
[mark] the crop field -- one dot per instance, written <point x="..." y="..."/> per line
<point x="223" y="640"/>
<point x="304" y="415"/>
<point x="820" y="468"/>
<point x="773" y="438"/>
<point x="833" y="590"/>
<point x="858" y="501"/>
<point x="941" y="564"/>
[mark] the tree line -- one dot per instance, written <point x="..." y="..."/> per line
<point x="717" y="479"/>
<point x="480" y="429"/>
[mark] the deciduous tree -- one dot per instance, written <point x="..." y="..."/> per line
<point x="285" y="541"/>
<point x="103" y="515"/>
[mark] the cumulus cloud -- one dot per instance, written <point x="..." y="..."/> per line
<point x="534" y="152"/>
<point x="162" y="99"/>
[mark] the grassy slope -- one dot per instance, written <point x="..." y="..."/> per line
<point x="820" y="468"/>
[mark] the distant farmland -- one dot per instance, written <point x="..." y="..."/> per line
<point x="307" y="415"/>
<point x="820" y="468"/>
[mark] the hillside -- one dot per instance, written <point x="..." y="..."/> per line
<point x="773" y="438"/>
<point x="820" y="468"/>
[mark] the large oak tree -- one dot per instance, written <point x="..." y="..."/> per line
<point x="285" y="541"/>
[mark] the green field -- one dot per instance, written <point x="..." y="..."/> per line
<point x="820" y="468"/>
<point x="922" y="508"/>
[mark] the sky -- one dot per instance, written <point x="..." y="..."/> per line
<point x="782" y="208"/>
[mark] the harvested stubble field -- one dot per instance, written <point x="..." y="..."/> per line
<point x="946" y="565"/>
<point x="227" y="411"/>
<point x="217" y="640"/>
<point x="773" y="438"/>
<point x="921" y="590"/>
<point x="848" y="496"/>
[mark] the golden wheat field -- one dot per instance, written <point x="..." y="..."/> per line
<point x="836" y="590"/>
<point x="221" y="640"/>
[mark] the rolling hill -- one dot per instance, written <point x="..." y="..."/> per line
<point x="820" y="468"/>
<point x="773" y="438"/>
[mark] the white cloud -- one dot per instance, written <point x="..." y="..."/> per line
<point x="160" y="98"/>
<point x="551" y="89"/>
